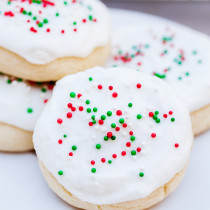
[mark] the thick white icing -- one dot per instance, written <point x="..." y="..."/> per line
<point x="119" y="181"/>
<point x="148" y="36"/>
<point x="43" y="47"/>
<point x="16" y="97"/>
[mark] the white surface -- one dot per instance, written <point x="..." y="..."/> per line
<point x="22" y="186"/>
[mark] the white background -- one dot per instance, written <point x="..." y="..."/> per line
<point x="22" y="186"/>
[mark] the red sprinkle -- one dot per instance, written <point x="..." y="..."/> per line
<point x="110" y="88"/>
<point x="92" y="162"/>
<point x="131" y="133"/>
<point x="100" y="87"/>
<point x="60" y="141"/>
<point x="59" y="121"/>
<point x="73" y="109"/>
<point x="69" y="115"/>
<point x="90" y="124"/>
<point x="69" y="105"/>
<point x="119" y="112"/>
<point x="170" y="112"/>
<point x="81" y="108"/>
<point x="103" y="160"/>
<point x="114" y="156"/>
<point x="138" y="85"/>
<point x="109" y="134"/>
<point x="70" y="153"/>
<point x="125" y="125"/>
<point x="114" y="95"/>
<point x="176" y="145"/>
<point x="165" y="115"/>
<point x="128" y="144"/>
<point x="117" y="128"/>
<point x="153" y="135"/>
<point x="151" y="114"/>
<point x="138" y="149"/>
<point x="101" y="122"/>
<point x="123" y="153"/>
<point x="79" y="95"/>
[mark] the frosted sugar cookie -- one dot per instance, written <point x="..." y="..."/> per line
<point x="20" y="105"/>
<point x="113" y="138"/>
<point x="175" y="54"/>
<point x="43" y="40"/>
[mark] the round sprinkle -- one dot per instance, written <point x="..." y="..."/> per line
<point x="114" y="95"/>
<point x="29" y="110"/>
<point x="165" y="115"/>
<point x="74" y="147"/>
<point x="60" y="141"/>
<point x="130" y="105"/>
<point x="109" y="161"/>
<point x="98" y="146"/>
<point x="81" y="108"/>
<point x="151" y="114"/>
<point x="128" y="144"/>
<point x="109" y="113"/>
<point x="59" y="121"/>
<point x="117" y="128"/>
<point x="70" y="105"/>
<point x="131" y="133"/>
<point x="156" y="112"/>
<point x="93" y="170"/>
<point x="113" y="125"/>
<point x="101" y="122"/>
<point x="109" y="134"/>
<point x="100" y="87"/>
<point x="132" y="138"/>
<point x="60" y="173"/>
<point x="103" y="117"/>
<point x="113" y="137"/>
<point x="88" y="110"/>
<point x="114" y="156"/>
<point x="90" y="79"/>
<point x="133" y="152"/>
<point x="123" y="153"/>
<point x="121" y="120"/>
<point x="103" y="160"/>
<point x="153" y="135"/>
<point x="139" y="116"/>
<point x="176" y="145"/>
<point x="106" y="138"/>
<point x="69" y="115"/>
<point x="138" y="85"/>
<point x="172" y="119"/>
<point x="119" y="112"/>
<point x="95" y="109"/>
<point x="110" y="88"/>
<point x="141" y="174"/>
<point x="92" y="162"/>
<point x="72" y="95"/>
<point x="170" y="112"/>
<point x="87" y="102"/>
<point x="138" y="149"/>
<point x="71" y="154"/>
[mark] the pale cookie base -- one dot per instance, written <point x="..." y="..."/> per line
<point x="155" y="197"/>
<point x="201" y="120"/>
<point x="14" y="139"/>
<point x="15" y="65"/>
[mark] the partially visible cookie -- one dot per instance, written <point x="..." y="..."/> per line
<point x="20" y="103"/>
<point x="53" y="38"/>
<point x="113" y="138"/>
<point x="174" y="53"/>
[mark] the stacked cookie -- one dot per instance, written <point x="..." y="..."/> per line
<point x="43" y="41"/>
<point x="107" y="138"/>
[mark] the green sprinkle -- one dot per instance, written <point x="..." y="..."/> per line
<point x="132" y="138"/>
<point x="88" y="110"/>
<point x="95" y="109"/>
<point x="172" y="119"/>
<point x="109" y="113"/>
<point x="44" y="90"/>
<point x="74" y="147"/>
<point x="139" y="116"/>
<point x="141" y="174"/>
<point x="45" y="21"/>
<point x="87" y="102"/>
<point x="157" y="120"/>
<point x="40" y="24"/>
<point x="29" y="110"/>
<point x="98" y="146"/>
<point x="34" y="18"/>
<point x="65" y="2"/>
<point x="93" y="117"/>
<point x="113" y="125"/>
<point x="9" y="81"/>
<point x="57" y="14"/>
<point x="133" y="152"/>
<point x="113" y="137"/>
<point x="30" y="13"/>
<point x="94" y="122"/>
<point x="103" y="117"/>
<point x="106" y="138"/>
<point x="155" y="117"/>
<point x="93" y="170"/>
<point x="187" y="73"/>
<point x="90" y="79"/>
<point x="109" y="161"/>
<point x="60" y="173"/>
<point x="64" y="136"/>
<point x="74" y="23"/>
<point x="90" y="17"/>
<point x="130" y="105"/>
<point x="161" y="76"/>
<point x="19" y="80"/>
<point x="121" y="120"/>
<point x="72" y="95"/>
<point x="156" y="112"/>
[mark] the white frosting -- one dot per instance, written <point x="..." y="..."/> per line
<point x="119" y="181"/>
<point x="147" y="36"/>
<point x="21" y="103"/>
<point x="43" y="47"/>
